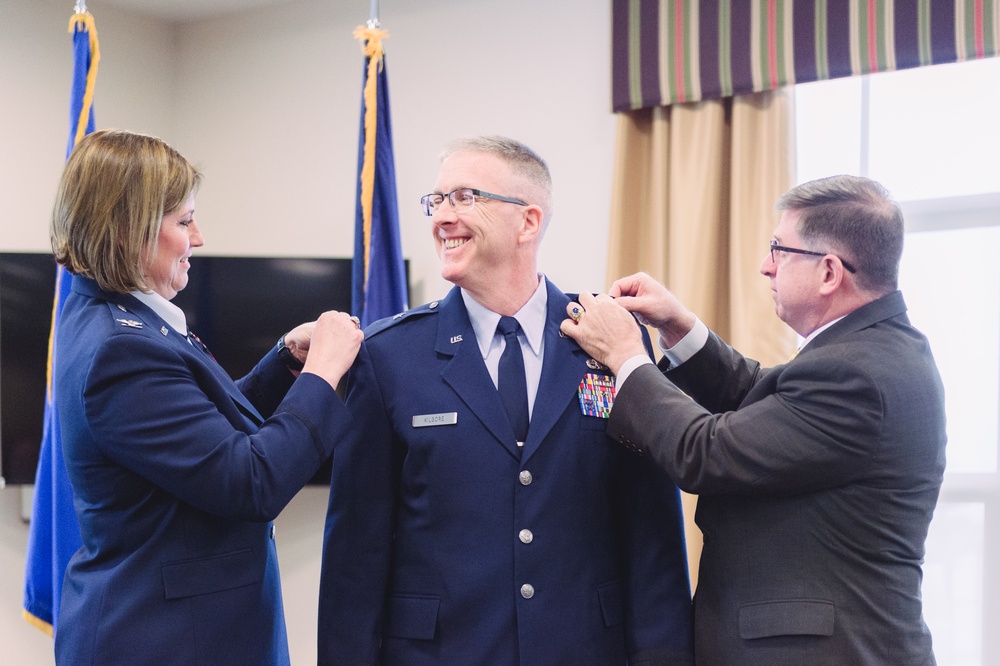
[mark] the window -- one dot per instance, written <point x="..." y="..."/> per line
<point x="930" y="136"/>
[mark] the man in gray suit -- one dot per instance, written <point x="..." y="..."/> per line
<point x="817" y="478"/>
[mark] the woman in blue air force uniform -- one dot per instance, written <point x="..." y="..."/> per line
<point x="176" y="469"/>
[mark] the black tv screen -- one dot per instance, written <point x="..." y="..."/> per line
<point x="27" y="287"/>
<point x="239" y="306"/>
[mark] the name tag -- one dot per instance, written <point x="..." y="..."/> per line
<point x="425" y="420"/>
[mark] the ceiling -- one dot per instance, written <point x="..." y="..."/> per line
<point x="183" y="10"/>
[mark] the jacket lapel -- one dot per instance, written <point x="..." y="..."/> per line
<point x="466" y="373"/>
<point x="564" y="365"/>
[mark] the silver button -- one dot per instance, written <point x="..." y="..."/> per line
<point x="433" y="305"/>
<point x="527" y="591"/>
<point x="525" y="477"/>
<point x="525" y="536"/>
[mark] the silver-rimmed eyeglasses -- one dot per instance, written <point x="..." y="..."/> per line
<point x="774" y="247"/>
<point x="462" y="200"/>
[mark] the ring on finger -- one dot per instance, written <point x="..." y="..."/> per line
<point x="576" y="312"/>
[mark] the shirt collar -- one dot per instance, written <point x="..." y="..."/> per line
<point x="819" y="330"/>
<point x="531" y="317"/>
<point x="166" y="310"/>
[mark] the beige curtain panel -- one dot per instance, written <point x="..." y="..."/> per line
<point x="693" y="205"/>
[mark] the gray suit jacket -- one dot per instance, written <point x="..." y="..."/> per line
<point x="817" y="482"/>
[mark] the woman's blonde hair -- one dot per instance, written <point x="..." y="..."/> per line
<point x="112" y="197"/>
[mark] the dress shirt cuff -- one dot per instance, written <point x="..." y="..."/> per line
<point x="627" y="368"/>
<point x="687" y="347"/>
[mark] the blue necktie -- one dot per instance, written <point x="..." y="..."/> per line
<point x="510" y="379"/>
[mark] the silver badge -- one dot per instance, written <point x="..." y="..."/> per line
<point x="594" y="364"/>
<point x="131" y="323"/>
<point x="456" y="338"/>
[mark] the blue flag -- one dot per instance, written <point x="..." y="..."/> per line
<point x="55" y="533"/>
<point x="378" y="272"/>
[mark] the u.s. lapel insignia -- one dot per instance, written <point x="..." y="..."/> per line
<point x="131" y="323"/>
<point x="163" y="329"/>
<point x="597" y="395"/>
<point x="456" y="338"/>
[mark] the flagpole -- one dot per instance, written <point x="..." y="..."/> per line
<point x="378" y="284"/>
<point x="54" y="533"/>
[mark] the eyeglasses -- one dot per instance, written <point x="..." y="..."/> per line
<point x="781" y="248"/>
<point x="462" y="200"/>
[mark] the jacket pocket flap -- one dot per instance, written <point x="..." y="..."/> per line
<point x="793" y="617"/>
<point x="412" y="617"/>
<point x="210" y="574"/>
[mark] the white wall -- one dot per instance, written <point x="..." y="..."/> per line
<point x="267" y="103"/>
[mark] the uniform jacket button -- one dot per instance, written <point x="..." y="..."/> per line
<point x="527" y="591"/>
<point x="525" y="477"/>
<point x="526" y="536"/>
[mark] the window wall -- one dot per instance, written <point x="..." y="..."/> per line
<point x="930" y="135"/>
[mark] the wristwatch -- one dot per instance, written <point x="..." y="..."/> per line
<point x="287" y="357"/>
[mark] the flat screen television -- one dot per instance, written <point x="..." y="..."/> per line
<point x="239" y="306"/>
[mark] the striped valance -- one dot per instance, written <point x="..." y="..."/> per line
<point x="667" y="51"/>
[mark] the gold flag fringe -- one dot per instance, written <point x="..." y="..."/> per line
<point x="371" y="40"/>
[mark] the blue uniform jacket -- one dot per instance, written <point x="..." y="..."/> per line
<point x="446" y="545"/>
<point x="176" y="476"/>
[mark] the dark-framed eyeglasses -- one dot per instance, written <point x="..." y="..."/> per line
<point x="774" y="247"/>
<point x="462" y="200"/>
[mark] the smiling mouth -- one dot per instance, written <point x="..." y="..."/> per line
<point x="452" y="243"/>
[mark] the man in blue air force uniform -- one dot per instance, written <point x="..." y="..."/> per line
<point x="479" y="514"/>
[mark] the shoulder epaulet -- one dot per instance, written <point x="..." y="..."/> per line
<point x="383" y="324"/>
<point x="129" y="321"/>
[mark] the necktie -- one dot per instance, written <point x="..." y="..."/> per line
<point x="510" y="379"/>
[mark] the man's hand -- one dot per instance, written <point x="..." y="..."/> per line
<point x="653" y="305"/>
<point x="604" y="329"/>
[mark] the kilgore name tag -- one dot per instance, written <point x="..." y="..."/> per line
<point x="425" y="420"/>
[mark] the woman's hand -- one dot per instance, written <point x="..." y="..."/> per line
<point x="327" y="346"/>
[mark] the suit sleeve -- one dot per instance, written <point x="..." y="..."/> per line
<point x="359" y="526"/>
<point x="818" y="427"/>
<point x="717" y="376"/>
<point x="183" y="431"/>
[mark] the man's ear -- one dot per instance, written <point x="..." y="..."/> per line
<point x="531" y="228"/>
<point x="833" y="275"/>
